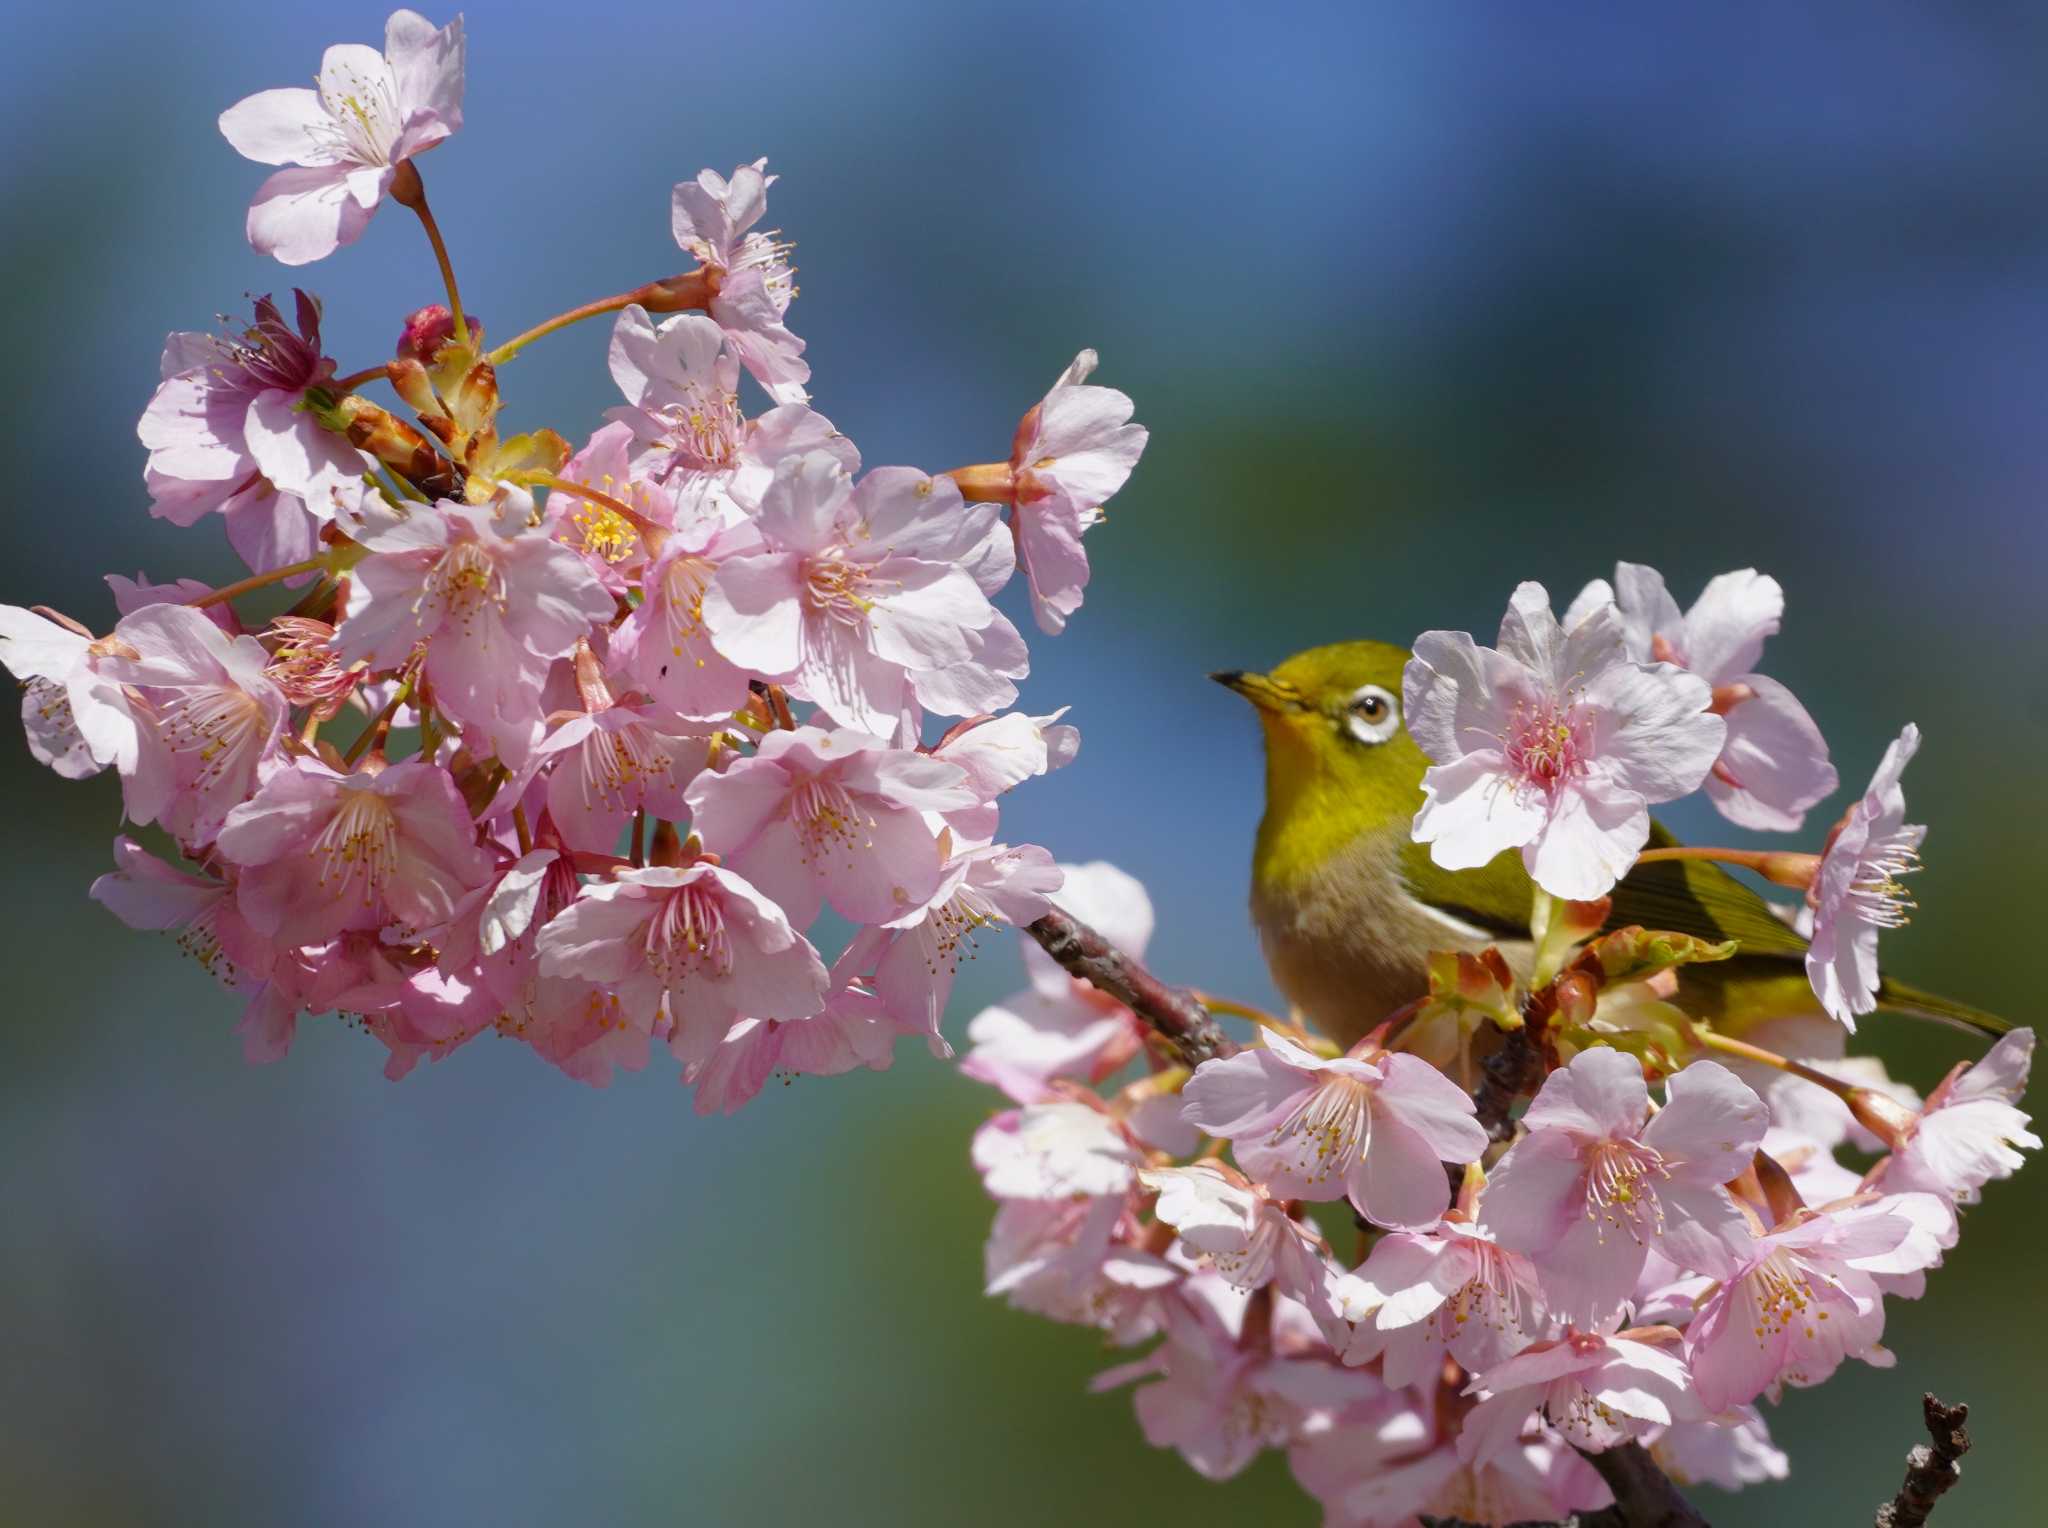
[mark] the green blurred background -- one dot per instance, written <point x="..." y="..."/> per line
<point x="1417" y="302"/>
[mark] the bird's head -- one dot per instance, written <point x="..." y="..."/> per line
<point x="1339" y="761"/>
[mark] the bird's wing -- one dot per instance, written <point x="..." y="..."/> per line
<point x="1497" y="897"/>
<point x="1686" y="896"/>
<point x="1698" y="897"/>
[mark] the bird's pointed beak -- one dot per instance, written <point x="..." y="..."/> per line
<point x="1267" y="693"/>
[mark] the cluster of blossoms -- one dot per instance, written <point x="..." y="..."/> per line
<point x="1667" y="1237"/>
<point x="612" y="726"/>
<point x="573" y="744"/>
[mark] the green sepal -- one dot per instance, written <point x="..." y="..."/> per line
<point x="1636" y="954"/>
<point x="1560" y="927"/>
<point x="1462" y="986"/>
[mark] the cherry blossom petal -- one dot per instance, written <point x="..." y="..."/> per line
<point x="1726" y="628"/>
<point x="303" y="215"/>
<point x="1713" y="1121"/>
<point x="1399" y="1181"/>
<point x="1778" y="755"/>
<point x="1240" y="1095"/>
<point x="754" y="613"/>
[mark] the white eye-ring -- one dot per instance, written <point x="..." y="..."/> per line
<point x="1372" y="715"/>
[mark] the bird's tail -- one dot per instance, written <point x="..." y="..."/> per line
<point x="1905" y="999"/>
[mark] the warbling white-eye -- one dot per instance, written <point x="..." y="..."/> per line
<point x="1348" y="906"/>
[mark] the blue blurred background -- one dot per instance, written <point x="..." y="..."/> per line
<point x="1417" y="302"/>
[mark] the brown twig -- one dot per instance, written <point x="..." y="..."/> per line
<point x="1644" y="1496"/>
<point x="1513" y="1071"/>
<point x="1172" y="1012"/>
<point x="1930" y="1469"/>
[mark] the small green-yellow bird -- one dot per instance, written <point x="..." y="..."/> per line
<point x="1348" y="906"/>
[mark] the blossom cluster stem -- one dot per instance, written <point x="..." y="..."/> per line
<point x="671" y="294"/>
<point x="409" y="191"/>
<point x="1784" y="869"/>
<point x="356" y="379"/>
<point x="256" y="581"/>
<point x="380" y="724"/>
<point x="1743" y="1050"/>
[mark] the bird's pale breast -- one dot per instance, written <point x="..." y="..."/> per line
<point x="1347" y="942"/>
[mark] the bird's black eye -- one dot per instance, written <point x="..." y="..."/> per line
<point x="1372" y="707"/>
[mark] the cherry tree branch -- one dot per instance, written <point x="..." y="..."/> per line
<point x="1513" y="1071"/>
<point x="1644" y="1496"/>
<point x="1174" y="1013"/>
<point x="1930" y="1469"/>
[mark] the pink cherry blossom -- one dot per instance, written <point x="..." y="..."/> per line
<point x="137" y="593"/>
<point x="78" y="718"/>
<point x="1389" y="1463"/>
<point x="851" y="1030"/>
<point x="1774" y="763"/>
<point x="712" y="218"/>
<point x="1591" y="1187"/>
<point x="402" y="997"/>
<point x="682" y="410"/>
<point x="322" y="852"/>
<point x="579" y="1026"/>
<point x="1967" y="1133"/>
<point x="863" y="593"/>
<point x="216" y="714"/>
<point x="696" y="946"/>
<point x="683" y="417"/>
<point x="1072" y="452"/>
<point x="1219" y="1401"/>
<point x="226" y="435"/>
<point x="1077" y="1260"/>
<point x="1450" y="1289"/>
<point x="1806" y="1296"/>
<point x="916" y="960"/>
<point x="145" y="893"/>
<point x="1858" y="890"/>
<point x="346" y="140"/>
<point x="663" y="645"/>
<point x="819" y="815"/>
<point x="1730" y="1451"/>
<point x="1376" y="1132"/>
<point x="494" y="600"/>
<point x="1000" y="753"/>
<point x="1555" y="744"/>
<point x="605" y="765"/>
<point x="614" y="547"/>
<point x="1596" y="1391"/>
<point x="1065" y="1240"/>
<point x="1059" y="1149"/>
<point x="1058" y="1026"/>
<point x="1235" y="1227"/>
